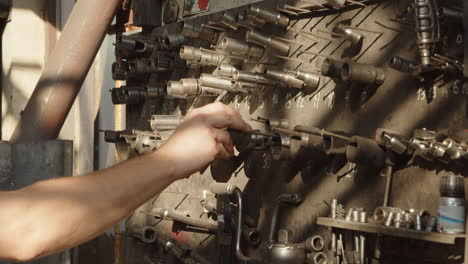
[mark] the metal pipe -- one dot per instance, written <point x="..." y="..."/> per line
<point x="225" y="188"/>
<point x="388" y="185"/>
<point x="293" y="199"/>
<point x="169" y="214"/>
<point x="65" y="71"/>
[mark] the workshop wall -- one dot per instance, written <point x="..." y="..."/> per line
<point x="401" y="103"/>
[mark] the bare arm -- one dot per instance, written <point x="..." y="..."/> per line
<point x="54" y="215"/>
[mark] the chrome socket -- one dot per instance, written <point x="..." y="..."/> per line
<point x="419" y="223"/>
<point x="210" y="91"/>
<point x="363" y="217"/>
<point x="201" y="57"/>
<point x="331" y="68"/>
<point x="314" y="244"/>
<point x="363" y="73"/>
<point x="242" y="48"/>
<point x="389" y="219"/>
<point x="190" y="53"/>
<point x="287" y="78"/>
<point x="268" y="15"/>
<point x="398" y="220"/>
<point x="333" y="205"/>
<point x="194" y="31"/>
<point x="353" y="37"/>
<point x="210" y="80"/>
<point x="183" y="88"/>
<point x="356" y="215"/>
<point x="165" y="122"/>
<point x="226" y="70"/>
<point x="402" y="65"/>
<point x="431" y="224"/>
<point x="229" y="21"/>
<point x="310" y="79"/>
<point x="349" y="214"/>
<point x="173" y="41"/>
<point x="250" y="77"/>
<point x="267" y="41"/>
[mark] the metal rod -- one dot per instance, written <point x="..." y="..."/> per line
<point x="331" y="33"/>
<point x="286" y="131"/>
<point x="169" y="214"/>
<point x="388" y="185"/>
<point x="320" y="132"/>
<point x="65" y="71"/>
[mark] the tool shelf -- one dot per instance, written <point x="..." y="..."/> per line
<point x="390" y="231"/>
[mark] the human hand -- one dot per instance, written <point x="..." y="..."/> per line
<point x="201" y="138"/>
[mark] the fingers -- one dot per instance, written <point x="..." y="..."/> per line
<point x="225" y="146"/>
<point x="222" y="153"/>
<point x="221" y="116"/>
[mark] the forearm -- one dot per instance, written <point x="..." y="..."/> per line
<point x="58" y="214"/>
